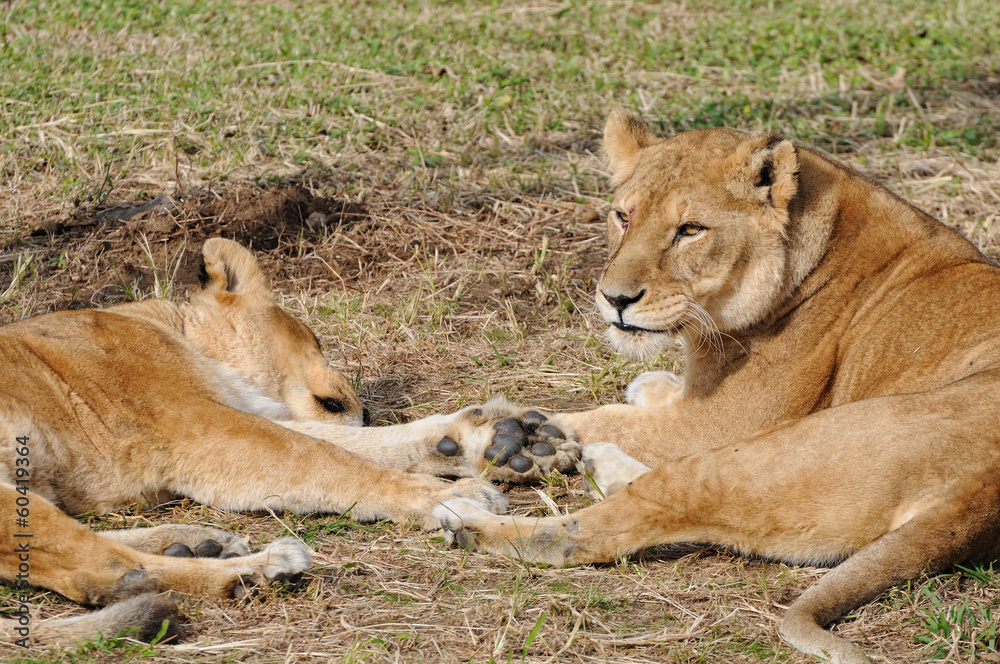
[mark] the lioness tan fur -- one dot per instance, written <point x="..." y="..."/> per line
<point x="227" y="400"/>
<point x="841" y="397"/>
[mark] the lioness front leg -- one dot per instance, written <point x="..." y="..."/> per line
<point x="671" y="427"/>
<point x="497" y="440"/>
<point x="894" y="501"/>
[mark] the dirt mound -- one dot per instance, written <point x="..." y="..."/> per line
<point x="491" y="253"/>
<point x="106" y="255"/>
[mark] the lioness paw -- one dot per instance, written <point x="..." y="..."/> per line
<point x="513" y="444"/>
<point x="654" y="388"/>
<point x="607" y="469"/>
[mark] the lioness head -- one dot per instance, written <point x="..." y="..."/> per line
<point x="697" y="233"/>
<point x="234" y="320"/>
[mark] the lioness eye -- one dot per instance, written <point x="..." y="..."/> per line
<point x="622" y="219"/>
<point x="687" y="230"/>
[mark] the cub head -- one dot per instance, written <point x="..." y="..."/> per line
<point x="235" y="321"/>
<point x="697" y="233"/>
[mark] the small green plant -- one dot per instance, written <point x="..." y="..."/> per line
<point x="968" y="629"/>
<point x="22" y="266"/>
<point x="532" y="636"/>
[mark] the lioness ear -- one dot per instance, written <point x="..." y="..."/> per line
<point x="229" y="268"/>
<point x="765" y="169"/>
<point x="624" y="136"/>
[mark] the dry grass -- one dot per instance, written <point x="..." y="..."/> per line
<point x="442" y="233"/>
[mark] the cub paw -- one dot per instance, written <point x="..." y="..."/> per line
<point x="515" y="444"/>
<point x="181" y="541"/>
<point x="132" y="583"/>
<point x="140" y="617"/>
<point x="607" y="469"/>
<point x="458" y="519"/>
<point x="476" y="492"/>
<point x="284" y="560"/>
<point x="654" y="388"/>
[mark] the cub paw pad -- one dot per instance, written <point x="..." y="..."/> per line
<point x="534" y="418"/>
<point x="447" y="447"/>
<point x="550" y="431"/>
<point x="521" y="464"/>
<point x="208" y="549"/>
<point x="507" y="442"/>
<point x="178" y="551"/>
<point x="515" y="438"/>
<point x="543" y="449"/>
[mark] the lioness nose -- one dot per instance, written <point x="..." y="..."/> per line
<point x="621" y="302"/>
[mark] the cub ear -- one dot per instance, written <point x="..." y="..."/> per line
<point x="227" y="267"/>
<point x="624" y="136"/>
<point x="765" y="168"/>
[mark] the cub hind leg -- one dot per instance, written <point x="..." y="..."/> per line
<point x="146" y="618"/>
<point x="52" y="550"/>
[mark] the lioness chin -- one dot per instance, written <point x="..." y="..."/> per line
<point x="841" y="397"/>
<point x="227" y="400"/>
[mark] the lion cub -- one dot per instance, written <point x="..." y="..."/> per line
<point x="227" y="400"/>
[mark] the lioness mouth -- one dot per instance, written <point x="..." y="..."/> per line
<point x="632" y="329"/>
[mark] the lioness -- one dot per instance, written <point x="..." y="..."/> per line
<point x="841" y="398"/>
<point x="227" y="400"/>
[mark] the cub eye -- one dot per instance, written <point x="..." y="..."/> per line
<point x="331" y="405"/>
<point x="623" y="219"/>
<point x="688" y="230"/>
